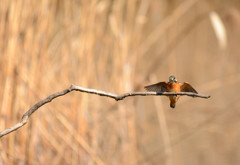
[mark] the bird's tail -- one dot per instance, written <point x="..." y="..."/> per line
<point x="172" y="104"/>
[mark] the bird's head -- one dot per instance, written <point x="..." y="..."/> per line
<point x="172" y="79"/>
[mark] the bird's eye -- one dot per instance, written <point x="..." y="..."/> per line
<point x="175" y="81"/>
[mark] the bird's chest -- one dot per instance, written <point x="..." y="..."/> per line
<point x="173" y="87"/>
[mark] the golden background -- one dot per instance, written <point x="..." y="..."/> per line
<point x="120" y="46"/>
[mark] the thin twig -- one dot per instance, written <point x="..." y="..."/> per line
<point x="91" y="91"/>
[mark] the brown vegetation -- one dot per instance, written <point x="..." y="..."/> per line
<point x="119" y="46"/>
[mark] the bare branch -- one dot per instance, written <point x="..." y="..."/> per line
<point x="91" y="91"/>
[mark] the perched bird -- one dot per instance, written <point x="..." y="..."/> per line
<point x="171" y="86"/>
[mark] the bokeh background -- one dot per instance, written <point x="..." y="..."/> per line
<point x="120" y="46"/>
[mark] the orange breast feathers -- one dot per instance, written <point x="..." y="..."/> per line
<point x="173" y="87"/>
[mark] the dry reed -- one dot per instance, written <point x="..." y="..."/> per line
<point x="117" y="46"/>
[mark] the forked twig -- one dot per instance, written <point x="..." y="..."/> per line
<point x="91" y="91"/>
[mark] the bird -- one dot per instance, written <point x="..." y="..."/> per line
<point x="171" y="86"/>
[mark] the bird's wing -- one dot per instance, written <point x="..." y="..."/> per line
<point x="185" y="87"/>
<point x="159" y="87"/>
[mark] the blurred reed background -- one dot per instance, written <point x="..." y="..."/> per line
<point x="120" y="46"/>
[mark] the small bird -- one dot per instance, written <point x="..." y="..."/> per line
<point x="172" y="86"/>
